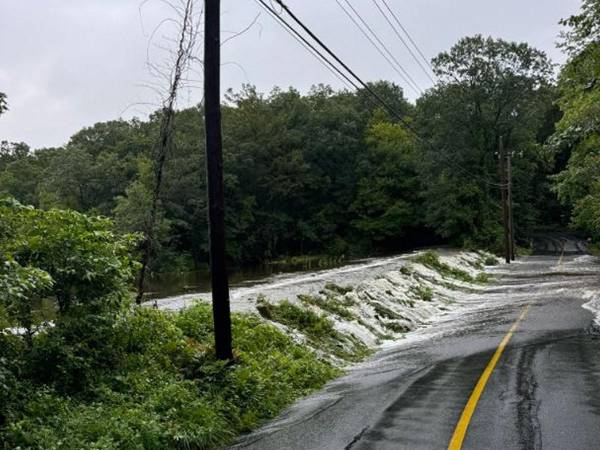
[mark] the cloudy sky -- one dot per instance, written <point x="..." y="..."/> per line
<point x="66" y="64"/>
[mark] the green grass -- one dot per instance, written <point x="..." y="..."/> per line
<point x="422" y="292"/>
<point x="342" y="290"/>
<point x="490" y="261"/>
<point x="317" y="328"/>
<point x="334" y="305"/>
<point x="372" y="329"/>
<point x="482" y="278"/>
<point x="406" y="271"/>
<point x="397" y="327"/>
<point x="168" y="392"/>
<point x="385" y="312"/>
<point x="431" y="259"/>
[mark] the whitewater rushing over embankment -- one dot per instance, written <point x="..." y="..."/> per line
<point x="592" y="295"/>
<point x="368" y="303"/>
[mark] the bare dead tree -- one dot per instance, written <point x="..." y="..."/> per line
<point x="174" y="73"/>
<point x="169" y="75"/>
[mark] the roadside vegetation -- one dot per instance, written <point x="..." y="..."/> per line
<point x="108" y="375"/>
<point x="432" y="260"/>
<point x="317" y="328"/>
<point x="577" y="136"/>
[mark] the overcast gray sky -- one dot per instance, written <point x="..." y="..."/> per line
<point x="66" y="64"/>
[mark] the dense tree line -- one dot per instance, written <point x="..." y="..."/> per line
<point x="576" y="141"/>
<point x="326" y="171"/>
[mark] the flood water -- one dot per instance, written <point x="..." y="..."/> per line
<point x="180" y="283"/>
<point x="290" y="284"/>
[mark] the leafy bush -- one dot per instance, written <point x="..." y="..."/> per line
<point x="165" y="389"/>
<point x="82" y="259"/>
<point x="73" y="355"/>
<point x="18" y="287"/>
<point x="106" y="375"/>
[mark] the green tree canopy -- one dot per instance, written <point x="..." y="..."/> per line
<point x="578" y="132"/>
<point x="488" y="88"/>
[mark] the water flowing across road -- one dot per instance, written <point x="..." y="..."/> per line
<point x="544" y="391"/>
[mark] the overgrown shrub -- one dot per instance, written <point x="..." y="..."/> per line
<point x="166" y="390"/>
<point x="84" y="259"/>
<point x="73" y="355"/>
<point x="106" y="375"/>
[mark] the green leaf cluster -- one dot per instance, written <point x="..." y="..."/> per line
<point x="576" y="142"/>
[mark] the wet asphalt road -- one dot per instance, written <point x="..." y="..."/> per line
<point x="543" y="393"/>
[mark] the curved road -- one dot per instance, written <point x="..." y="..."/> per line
<point x="543" y="392"/>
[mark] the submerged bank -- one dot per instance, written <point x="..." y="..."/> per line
<point x="345" y="313"/>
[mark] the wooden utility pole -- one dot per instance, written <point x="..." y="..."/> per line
<point x="504" y="190"/>
<point x="214" y="166"/>
<point x="511" y="225"/>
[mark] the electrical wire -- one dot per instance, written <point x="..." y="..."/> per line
<point x="403" y="41"/>
<point x="395" y="64"/>
<point x="313" y="51"/>
<point x="342" y="64"/>
<point x="308" y="46"/>
<point x="412" y="41"/>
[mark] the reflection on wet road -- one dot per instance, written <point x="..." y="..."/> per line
<point x="544" y="391"/>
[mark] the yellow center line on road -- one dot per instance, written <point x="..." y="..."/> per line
<point x="461" y="427"/>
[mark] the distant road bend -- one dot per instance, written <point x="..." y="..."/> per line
<point x="520" y="372"/>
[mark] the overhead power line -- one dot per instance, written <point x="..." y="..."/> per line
<point x="390" y="58"/>
<point x="395" y="29"/>
<point x="308" y="46"/>
<point x="325" y="62"/>
<point x="425" y="60"/>
<point x="358" y="81"/>
<point x="342" y="63"/>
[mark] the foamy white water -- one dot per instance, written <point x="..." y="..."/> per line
<point x="389" y="297"/>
